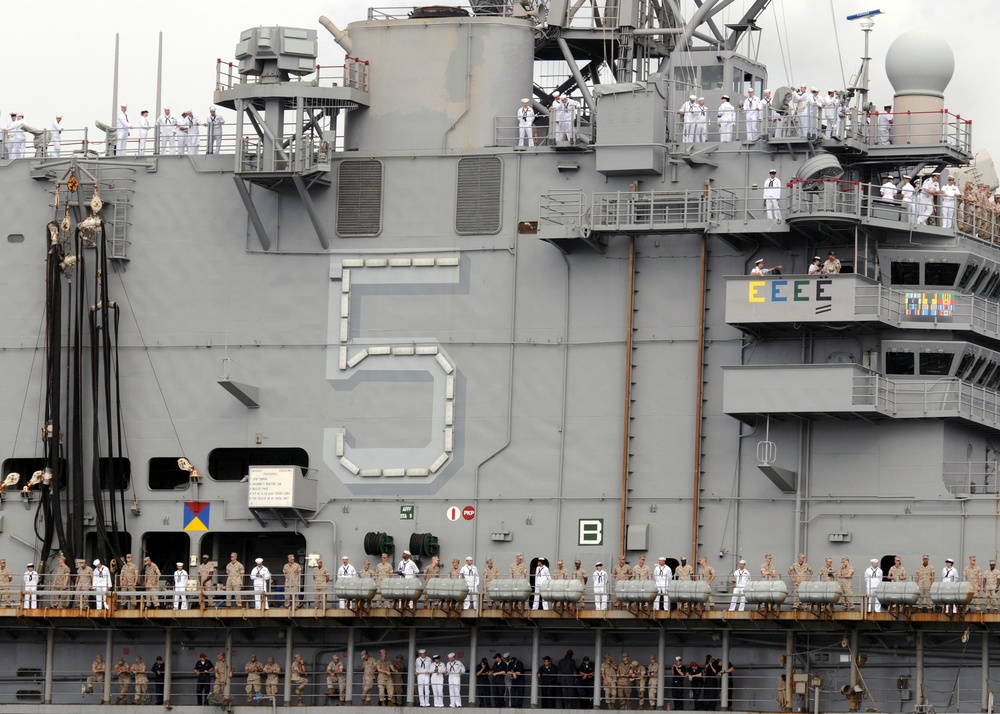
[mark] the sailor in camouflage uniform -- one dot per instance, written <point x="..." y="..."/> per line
<point x="800" y="572"/>
<point x="845" y="576"/>
<point x="293" y="579"/>
<point x="382" y="571"/>
<point x="924" y="579"/>
<point x="84" y="584"/>
<point x="321" y="583"/>
<point x="609" y="679"/>
<point x="6" y="600"/>
<point x="234" y="581"/>
<point x="626" y="682"/>
<point x="128" y="579"/>
<point x="490" y="573"/>
<point x="60" y="583"/>
<point x="706" y="573"/>
<point x="973" y="574"/>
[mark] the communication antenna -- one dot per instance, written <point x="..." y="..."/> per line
<point x="860" y="82"/>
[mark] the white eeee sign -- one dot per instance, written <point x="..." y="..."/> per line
<point x="272" y="487"/>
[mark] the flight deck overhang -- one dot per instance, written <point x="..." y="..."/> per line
<point x="841" y="390"/>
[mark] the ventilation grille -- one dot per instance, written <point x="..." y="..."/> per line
<point x="359" y="198"/>
<point x="480" y="180"/>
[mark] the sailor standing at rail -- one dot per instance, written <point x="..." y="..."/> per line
<point x="101" y="581"/>
<point x="752" y="106"/>
<point x="884" y="126"/>
<point x="121" y="131"/>
<point x="180" y="587"/>
<point x="907" y="193"/>
<point x="949" y="575"/>
<point x="215" y="122"/>
<point x="30" y="579"/>
<point x="772" y="196"/>
<point x="55" y="131"/>
<point x="727" y="119"/>
<point x="422" y="667"/>
<point x="873" y="576"/>
<point x="687" y="112"/>
<point x="346" y="571"/>
<point x="525" y="119"/>
<point x="167" y="126"/>
<point x="542" y="576"/>
<point x="260" y="576"/>
<point x="600" y="579"/>
<point x="800" y="99"/>
<point x="949" y="200"/>
<point x="470" y="573"/>
<point x="770" y="113"/>
<point x="700" y="121"/>
<point x="143" y="131"/>
<point x="831" y="114"/>
<point x="661" y="576"/>
<point x="741" y="576"/>
<point x="929" y="189"/>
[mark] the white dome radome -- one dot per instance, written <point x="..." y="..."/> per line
<point x="919" y="63"/>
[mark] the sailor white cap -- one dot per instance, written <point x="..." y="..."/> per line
<point x="766" y="91"/>
<point x="451" y="654"/>
<point x="890" y="176"/>
<point x="468" y="557"/>
<point x="701" y="99"/>
<point x="524" y="100"/>
<point x="345" y="558"/>
<point x="406" y="552"/>
<point x="907" y="176"/>
<point x="951" y="178"/>
<point x="97" y="561"/>
<point x="693" y="96"/>
<point x="830" y="91"/>
<point x="555" y="93"/>
<point x="749" y="90"/>
<point x="725" y="96"/>
<point x="421" y="651"/>
<point x="662" y="557"/>
<point x="759" y="260"/>
<point x="58" y="116"/>
<point x="874" y="560"/>
<point x="259" y="560"/>
<point x="814" y="89"/>
<point x="948" y="560"/>
<point x="743" y="562"/>
<point x="598" y="563"/>
<point x="30" y="565"/>
<point x="773" y="171"/>
<point x="679" y="658"/>
<point x="816" y="257"/>
<point x="212" y="109"/>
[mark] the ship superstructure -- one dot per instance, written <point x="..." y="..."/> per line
<point x="380" y="320"/>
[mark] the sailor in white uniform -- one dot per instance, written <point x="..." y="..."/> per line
<point x="455" y="671"/>
<point x="752" y="106"/>
<point x="929" y="189"/>
<point x="741" y="576"/>
<point x="215" y="122"/>
<point x="542" y="576"/>
<point x="30" y="580"/>
<point x="662" y="574"/>
<point x="687" y="112"/>
<point x="600" y="580"/>
<point x="471" y="575"/>
<point x="346" y="571"/>
<point x="800" y="99"/>
<point x="949" y="200"/>
<point x="525" y="122"/>
<point x="888" y="190"/>
<point x="772" y="196"/>
<point x="771" y="113"/>
<point x="873" y="576"/>
<point x="884" y="126"/>
<point x="260" y="577"/>
<point x="831" y="114"/>
<point x="949" y="575"/>
<point x="700" y="121"/>
<point x="167" y="126"/>
<point x="55" y="131"/>
<point x="121" y="131"/>
<point x="422" y="667"/>
<point x="907" y="193"/>
<point x="180" y="587"/>
<point x="143" y="131"/>
<point x="727" y="119"/>
<point x="101" y="581"/>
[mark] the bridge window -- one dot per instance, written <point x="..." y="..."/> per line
<point x="987" y="373"/>
<point x="970" y="270"/>
<point x="980" y="279"/>
<point x="905" y="273"/>
<point x="711" y="77"/>
<point x="685" y="78"/>
<point x="964" y="365"/>
<point x="899" y="363"/>
<point x="940" y="273"/>
<point x="976" y="368"/>
<point x="994" y="380"/>
<point x="991" y="285"/>
<point x="936" y="364"/>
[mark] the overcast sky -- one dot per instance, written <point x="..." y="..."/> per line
<point x="67" y="64"/>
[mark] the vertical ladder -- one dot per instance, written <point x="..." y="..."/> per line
<point x="118" y="241"/>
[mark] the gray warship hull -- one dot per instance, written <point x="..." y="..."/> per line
<point x="374" y="322"/>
